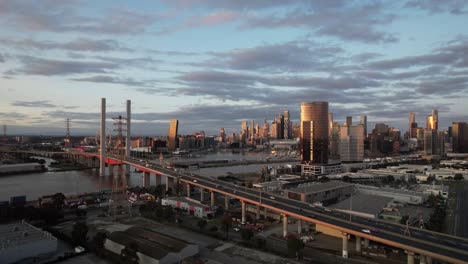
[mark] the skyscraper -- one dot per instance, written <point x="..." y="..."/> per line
<point x="433" y="142"/>
<point x="172" y="134"/>
<point x="460" y="137"/>
<point x="363" y="122"/>
<point x="435" y="119"/>
<point x="330" y="124"/>
<point x="413" y="126"/>
<point x="352" y="143"/>
<point x="287" y="128"/>
<point x="222" y="135"/>
<point x="314" y="132"/>
<point x="349" y="120"/>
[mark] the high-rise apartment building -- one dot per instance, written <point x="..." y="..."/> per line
<point x="352" y="143"/>
<point x="314" y="132"/>
<point x="363" y="122"/>
<point x="172" y="134"/>
<point x="460" y="137"/>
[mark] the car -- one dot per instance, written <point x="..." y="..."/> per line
<point x="375" y="230"/>
<point x="366" y="231"/>
<point x="272" y="197"/>
<point x="311" y="205"/>
<point x="194" y="180"/>
<point x="236" y="229"/>
<point x="327" y="210"/>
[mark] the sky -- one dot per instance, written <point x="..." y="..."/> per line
<point x="212" y="64"/>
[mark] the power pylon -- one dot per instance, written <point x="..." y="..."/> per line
<point x="119" y="202"/>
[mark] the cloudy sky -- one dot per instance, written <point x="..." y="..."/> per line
<point x="211" y="64"/>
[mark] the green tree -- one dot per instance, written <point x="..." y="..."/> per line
<point x="98" y="243"/>
<point x="79" y="234"/>
<point x="58" y="200"/>
<point x="128" y="255"/>
<point x="458" y="177"/>
<point x="294" y="245"/>
<point x="226" y="223"/>
<point x="202" y="223"/>
<point x="247" y="233"/>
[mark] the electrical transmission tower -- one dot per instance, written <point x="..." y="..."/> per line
<point x="67" y="137"/>
<point x="119" y="183"/>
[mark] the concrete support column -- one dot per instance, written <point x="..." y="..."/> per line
<point x="345" y="245"/>
<point x="299" y="226"/>
<point x="258" y="212"/>
<point x="188" y="190"/>
<point x="111" y="169"/>
<point x="358" y="244"/>
<point x="285" y="225"/>
<point x="243" y="211"/>
<point x="158" y="179"/>
<point x="212" y="198"/>
<point x="167" y="183"/>
<point x="410" y="259"/>
<point x="202" y="194"/>
<point x="428" y="260"/>
<point x="226" y="202"/>
<point x="366" y="243"/>
<point x="422" y="259"/>
<point x="307" y="227"/>
<point x="146" y="179"/>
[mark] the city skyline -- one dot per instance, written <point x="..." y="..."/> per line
<point x="214" y="64"/>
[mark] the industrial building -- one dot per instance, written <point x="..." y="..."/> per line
<point x="364" y="205"/>
<point x="193" y="207"/>
<point x="20" y="240"/>
<point x="152" y="247"/>
<point x="326" y="193"/>
<point x="400" y="196"/>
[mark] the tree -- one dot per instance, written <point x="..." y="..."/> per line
<point x="294" y="245"/>
<point x="98" y="243"/>
<point x="458" y="177"/>
<point x="247" y="233"/>
<point x="226" y="223"/>
<point x="202" y="223"/>
<point x="128" y="255"/>
<point x="79" y="234"/>
<point x="404" y="219"/>
<point x="58" y="200"/>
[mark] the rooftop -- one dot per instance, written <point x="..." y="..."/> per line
<point x="189" y="201"/>
<point x="20" y="233"/>
<point x="364" y="203"/>
<point x="149" y="242"/>
<point x="315" y="187"/>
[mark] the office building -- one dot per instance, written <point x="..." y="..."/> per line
<point x="330" y="125"/>
<point x="314" y="132"/>
<point x="172" y="135"/>
<point x="363" y="122"/>
<point x="349" y="121"/>
<point x="413" y="126"/>
<point x="435" y="119"/>
<point x="335" y="141"/>
<point x="434" y="142"/>
<point x="460" y="137"/>
<point x="352" y="143"/>
<point x="287" y="125"/>
<point x="222" y="135"/>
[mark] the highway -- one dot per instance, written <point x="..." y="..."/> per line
<point x="437" y="245"/>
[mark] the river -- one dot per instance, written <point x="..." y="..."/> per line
<point x="34" y="185"/>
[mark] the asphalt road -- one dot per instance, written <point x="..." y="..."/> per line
<point x="442" y="244"/>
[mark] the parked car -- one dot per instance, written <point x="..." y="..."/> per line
<point x="366" y="231"/>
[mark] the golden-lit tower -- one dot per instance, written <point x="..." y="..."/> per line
<point x="314" y="132"/>
<point x="172" y="134"/>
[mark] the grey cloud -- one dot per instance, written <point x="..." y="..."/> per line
<point x="80" y="44"/>
<point x="444" y="86"/>
<point x="236" y="5"/>
<point x="455" y="7"/>
<point x="12" y="116"/>
<point x="355" y="22"/>
<point x="2" y="59"/>
<point x="286" y="57"/>
<point x="49" y="67"/>
<point x="112" y="79"/>
<point x="45" y="104"/>
<point x="39" y="16"/>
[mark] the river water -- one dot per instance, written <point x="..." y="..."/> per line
<point x="34" y="185"/>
